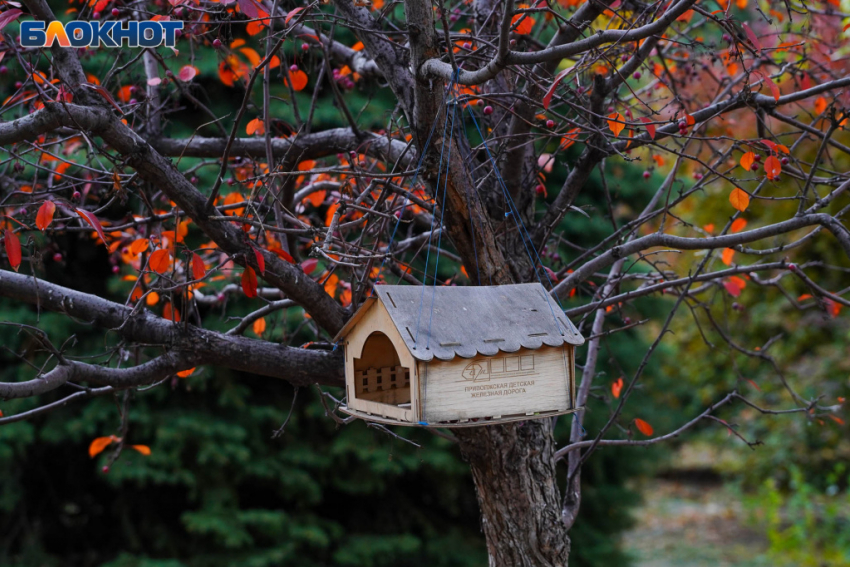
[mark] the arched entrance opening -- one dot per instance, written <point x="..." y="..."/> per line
<point x="378" y="373"/>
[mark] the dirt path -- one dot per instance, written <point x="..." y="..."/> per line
<point x="692" y="524"/>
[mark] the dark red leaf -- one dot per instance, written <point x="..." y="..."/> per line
<point x="13" y="248"/>
<point x="249" y="282"/>
<point x="95" y="224"/>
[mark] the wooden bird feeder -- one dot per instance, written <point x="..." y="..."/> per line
<point x="480" y="355"/>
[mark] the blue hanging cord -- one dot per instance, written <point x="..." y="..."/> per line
<point x="514" y="212"/>
<point x="412" y="183"/>
<point x="442" y="213"/>
<point x="433" y="217"/>
<point x="583" y="430"/>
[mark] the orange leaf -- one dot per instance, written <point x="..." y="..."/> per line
<point x="738" y="225"/>
<point x="643" y="427"/>
<point x="747" y="160"/>
<point x="152" y="299"/>
<point x="259" y="326"/>
<point x="13" y="248"/>
<point x="299" y="80"/>
<point x="836" y="419"/>
<point x="804" y="297"/>
<point x="199" y="270"/>
<point x="45" y="215"/>
<point x="616" y="123"/>
<point x="524" y="23"/>
<point x="249" y="282"/>
<point x="772" y="168"/>
<point x="255" y="126"/>
<point x="728" y="254"/>
<point x="99" y="444"/>
<point x="143" y="449"/>
<point x="331" y="284"/>
<point x="570" y="138"/>
<point x="160" y="261"/>
<point x="232" y="199"/>
<point x="820" y="105"/>
<point x="186" y="373"/>
<point x="774" y="89"/>
<point x="739" y="199"/>
<point x="709" y="227"/>
<point x="92" y="220"/>
<point x="617" y="387"/>
<point x="139" y="245"/>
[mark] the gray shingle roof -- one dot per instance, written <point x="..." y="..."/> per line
<point x="468" y="321"/>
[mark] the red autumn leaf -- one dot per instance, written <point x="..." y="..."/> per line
<point x="547" y="98"/>
<point x="45" y="215"/>
<point x="740" y="282"/>
<point x="284" y="255"/>
<point x="13" y="248"/>
<point x="261" y="261"/>
<point x="8" y="17"/>
<point x="199" y="270"/>
<point x="751" y="35"/>
<point x="804" y="297"/>
<point x="249" y="282"/>
<point x="160" y="261"/>
<point x="291" y="14"/>
<point x="99" y="444"/>
<point x="249" y="8"/>
<point x="820" y="105"/>
<point x="772" y="168"/>
<point x="738" y="225"/>
<point x="643" y="427"/>
<point x="170" y="313"/>
<point x="747" y="160"/>
<point x="617" y="387"/>
<point x="774" y="89"/>
<point x="187" y="73"/>
<point x="727" y="256"/>
<point x="95" y="224"/>
<point x="832" y="307"/>
<point x="650" y="127"/>
<point x="570" y="138"/>
<point x="753" y="384"/>
<point x="836" y="419"/>
<point x="309" y="265"/>
<point x="732" y="287"/>
<point x="105" y="95"/>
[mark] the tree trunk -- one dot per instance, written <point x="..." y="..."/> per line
<point x="514" y="472"/>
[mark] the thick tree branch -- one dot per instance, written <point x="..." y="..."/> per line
<point x="298" y="366"/>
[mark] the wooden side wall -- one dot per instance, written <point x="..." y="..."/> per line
<point x="523" y="382"/>
<point x="378" y="319"/>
